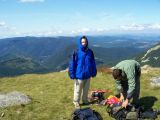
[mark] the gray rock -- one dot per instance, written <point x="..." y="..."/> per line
<point x="155" y="81"/>
<point x="13" y="98"/>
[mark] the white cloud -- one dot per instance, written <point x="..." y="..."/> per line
<point x="140" y="27"/>
<point x="2" y="24"/>
<point x="83" y="30"/>
<point x="132" y="27"/>
<point x="155" y="26"/>
<point x="87" y="31"/>
<point x="79" y="31"/>
<point x="5" y="26"/>
<point x="7" y="30"/>
<point x="43" y="33"/>
<point x="31" y="1"/>
<point x="100" y="29"/>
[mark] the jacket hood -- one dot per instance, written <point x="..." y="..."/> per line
<point x="82" y="47"/>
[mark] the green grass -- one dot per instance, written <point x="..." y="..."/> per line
<point x="52" y="95"/>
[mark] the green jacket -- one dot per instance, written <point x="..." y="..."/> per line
<point x="129" y="80"/>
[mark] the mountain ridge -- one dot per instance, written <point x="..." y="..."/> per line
<point x="151" y="57"/>
<point x="47" y="54"/>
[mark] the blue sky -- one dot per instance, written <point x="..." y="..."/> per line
<point x="76" y="17"/>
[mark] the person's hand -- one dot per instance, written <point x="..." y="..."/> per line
<point x="125" y="103"/>
<point x="121" y="97"/>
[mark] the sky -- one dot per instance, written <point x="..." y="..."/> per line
<point x="78" y="17"/>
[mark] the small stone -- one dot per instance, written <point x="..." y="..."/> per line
<point x="2" y="115"/>
<point x="155" y="81"/>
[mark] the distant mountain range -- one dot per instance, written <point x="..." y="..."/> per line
<point x="45" y="54"/>
<point x="150" y="57"/>
<point x="14" y="64"/>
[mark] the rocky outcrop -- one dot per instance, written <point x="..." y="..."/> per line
<point x="13" y="98"/>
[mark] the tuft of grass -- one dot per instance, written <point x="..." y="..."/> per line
<point x="52" y="95"/>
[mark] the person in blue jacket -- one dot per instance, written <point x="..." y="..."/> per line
<point x="82" y="67"/>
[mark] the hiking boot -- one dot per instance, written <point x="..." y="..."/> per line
<point x="77" y="105"/>
<point x="85" y="103"/>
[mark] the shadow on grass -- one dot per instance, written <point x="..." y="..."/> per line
<point x="147" y="102"/>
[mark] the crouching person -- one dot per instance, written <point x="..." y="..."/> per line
<point x="127" y="75"/>
<point x="81" y="68"/>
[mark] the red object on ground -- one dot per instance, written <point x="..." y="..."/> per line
<point x="112" y="100"/>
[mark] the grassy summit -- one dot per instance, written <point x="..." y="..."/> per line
<point x="52" y="95"/>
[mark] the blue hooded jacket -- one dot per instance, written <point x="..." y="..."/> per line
<point x="82" y="65"/>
